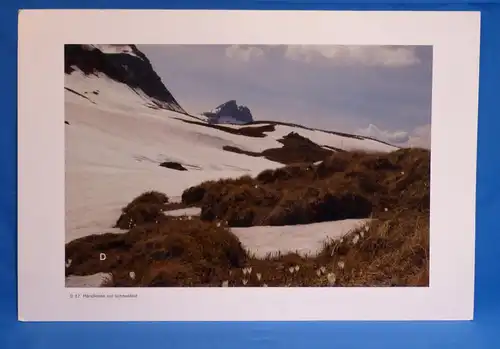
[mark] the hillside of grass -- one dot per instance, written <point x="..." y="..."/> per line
<point x="392" y="189"/>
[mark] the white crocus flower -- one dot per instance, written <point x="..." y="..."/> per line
<point x="331" y="279"/>
<point x="355" y="239"/>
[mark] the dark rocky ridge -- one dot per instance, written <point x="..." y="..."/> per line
<point x="134" y="70"/>
<point x="229" y="112"/>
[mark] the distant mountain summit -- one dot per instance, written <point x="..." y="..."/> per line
<point x="231" y="113"/>
<point x="124" y="64"/>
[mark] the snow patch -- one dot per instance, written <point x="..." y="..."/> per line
<point x="304" y="239"/>
<point x="94" y="280"/>
<point x="190" y="211"/>
<point x="116" y="49"/>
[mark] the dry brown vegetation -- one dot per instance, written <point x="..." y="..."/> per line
<point x="345" y="185"/>
<point x="145" y="208"/>
<point x="392" y="250"/>
<point x="295" y="149"/>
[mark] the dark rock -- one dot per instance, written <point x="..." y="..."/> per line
<point x="173" y="166"/>
<point x="67" y="123"/>
<point x="230" y="112"/>
<point x="133" y="69"/>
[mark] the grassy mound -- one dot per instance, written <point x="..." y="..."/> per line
<point x="344" y="185"/>
<point x="146" y="208"/>
<point x="159" y="254"/>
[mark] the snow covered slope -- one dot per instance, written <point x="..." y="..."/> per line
<point x="121" y="124"/>
<point x="113" y="155"/>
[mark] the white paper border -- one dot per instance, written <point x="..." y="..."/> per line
<point x="42" y="34"/>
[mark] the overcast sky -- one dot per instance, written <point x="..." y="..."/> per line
<point x="380" y="91"/>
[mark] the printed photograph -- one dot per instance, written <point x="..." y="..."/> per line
<point x="247" y="165"/>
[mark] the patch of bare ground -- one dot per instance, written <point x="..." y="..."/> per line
<point x="173" y="166"/>
<point x="257" y="132"/>
<point x="295" y="149"/>
<point x="391" y="250"/>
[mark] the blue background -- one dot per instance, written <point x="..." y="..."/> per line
<point x="477" y="334"/>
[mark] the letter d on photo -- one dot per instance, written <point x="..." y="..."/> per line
<point x="102" y="256"/>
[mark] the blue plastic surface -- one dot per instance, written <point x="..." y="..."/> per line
<point x="481" y="333"/>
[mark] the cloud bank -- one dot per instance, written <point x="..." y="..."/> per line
<point x="418" y="137"/>
<point x="384" y="56"/>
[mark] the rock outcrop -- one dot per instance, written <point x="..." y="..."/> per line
<point x="229" y="112"/>
<point x="122" y="63"/>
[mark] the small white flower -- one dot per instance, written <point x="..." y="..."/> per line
<point x="249" y="270"/>
<point x="245" y="281"/>
<point x="264" y="285"/>
<point x="402" y="172"/>
<point x="341" y="264"/>
<point x="297" y="268"/>
<point x="218" y="224"/>
<point x="318" y="272"/>
<point x="256" y="186"/>
<point x="132" y="275"/>
<point x="386" y="209"/>
<point x="230" y="272"/>
<point x="190" y="218"/>
<point x="342" y="240"/>
<point x="225" y="283"/>
<point x="244" y="270"/>
<point x="355" y="239"/>
<point x="259" y="276"/>
<point x="322" y="269"/>
<point x="362" y="233"/>
<point x="68" y="263"/>
<point x="331" y="279"/>
<point x="291" y="270"/>
<point x="367" y="228"/>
